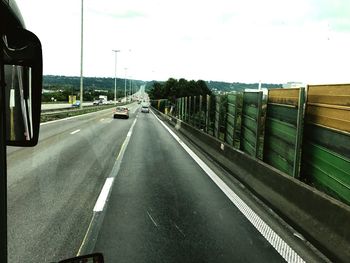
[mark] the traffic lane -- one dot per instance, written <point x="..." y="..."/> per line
<point x="52" y="128"/>
<point x="49" y="205"/>
<point x="164" y="208"/>
<point x="63" y="125"/>
<point x="59" y="132"/>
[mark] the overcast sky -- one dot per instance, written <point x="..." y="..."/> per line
<point x="274" y="41"/>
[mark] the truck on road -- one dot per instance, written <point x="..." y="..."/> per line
<point x="103" y="99"/>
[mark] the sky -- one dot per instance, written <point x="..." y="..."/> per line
<point x="272" y="41"/>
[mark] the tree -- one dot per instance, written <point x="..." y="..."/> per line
<point x="173" y="89"/>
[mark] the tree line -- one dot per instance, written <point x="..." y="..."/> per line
<point x="91" y="82"/>
<point x="173" y="89"/>
<point x="89" y="94"/>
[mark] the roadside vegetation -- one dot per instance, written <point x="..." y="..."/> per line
<point x="173" y="89"/>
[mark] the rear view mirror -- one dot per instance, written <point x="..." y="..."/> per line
<point x="22" y="66"/>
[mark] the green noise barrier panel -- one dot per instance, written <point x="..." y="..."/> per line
<point x="326" y="148"/>
<point x="283" y="129"/>
<point x="250" y="123"/>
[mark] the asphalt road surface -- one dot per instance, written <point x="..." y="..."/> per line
<point x="52" y="187"/>
<point x="161" y="207"/>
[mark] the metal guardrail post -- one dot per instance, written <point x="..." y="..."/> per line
<point x="217" y="116"/>
<point x="186" y="113"/>
<point x="200" y="111"/>
<point x="182" y="108"/>
<point x="299" y="137"/>
<point x="258" y="124"/>
<point x="189" y="109"/>
<point x="194" y="117"/>
<point x="207" y="114"/>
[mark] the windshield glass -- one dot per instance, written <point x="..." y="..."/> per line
<point x="185" y="131"/>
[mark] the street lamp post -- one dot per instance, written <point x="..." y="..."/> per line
<point x="81" y="54"/>
<point x="115" y="76"/>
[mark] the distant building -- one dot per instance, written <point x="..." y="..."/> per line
<point x="101" y="90"/>
<point x="48" y="91"/>
<point x="294" y="85"/>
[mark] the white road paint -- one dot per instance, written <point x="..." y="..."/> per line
<point x="271" y="236"/>
<point x="76" y="131"/>
<point x="135" y="109"/>
<point x="154" y="222"/>
<point x="106" y="120"/>
<point x="101" y="200"/>
<point x="86" y="234"/>
<point x="106" y="189"/>
<point x="126" y="141"/>
<point x="176" y="226"/>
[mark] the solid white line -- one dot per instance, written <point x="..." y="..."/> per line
<point x="85" y="237"/>
<point x="271" y="236"/>
<point x="129" y="134"/>
<point x="101" y="200"/>
<point x="76" y="131"/>
<point x="154" y="222"/>
<point x="179" y="230"/>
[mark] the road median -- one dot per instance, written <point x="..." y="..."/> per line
<point x="65" y="113"/>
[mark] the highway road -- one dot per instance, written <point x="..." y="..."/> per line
<point x="52" y="187"/>
<point x="163" y="205"/>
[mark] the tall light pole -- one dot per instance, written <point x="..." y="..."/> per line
<point x="125" y="84"/>
<point x="81" y="54"/>
<point x="115" y="76"/>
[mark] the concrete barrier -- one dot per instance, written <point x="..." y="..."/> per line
<point x="323" y="220"/>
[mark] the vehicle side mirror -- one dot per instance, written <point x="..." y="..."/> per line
<point x="92" y="258"/>
<point x="22" y="67"/>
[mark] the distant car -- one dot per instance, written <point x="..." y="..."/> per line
<point x="97" y="102"/>
<point x="121" y="112"/>
<point x="76" y="103"/>
<point x="145" y="108"/>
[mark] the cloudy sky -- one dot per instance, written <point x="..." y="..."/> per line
<point x="274" y="41"/>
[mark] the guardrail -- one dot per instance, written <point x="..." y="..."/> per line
<point x="71" y="108"/>
<point x="64" y="113"/>
<point x="322" y="219"/>
<point x="303" y="132"/>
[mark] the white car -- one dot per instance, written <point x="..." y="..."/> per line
<point x="145" y="108"/>
<point x="121" y="112"/>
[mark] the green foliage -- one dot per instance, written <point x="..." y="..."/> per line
<point x="237" y="86"/>
<point x="89" y="82"/>
<point x="173" y="89"/>
<point x="60" y="87"/>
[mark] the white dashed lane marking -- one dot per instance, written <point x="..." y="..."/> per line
<point x="74" y="132"/>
